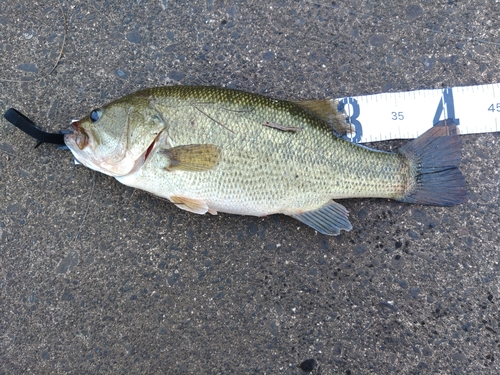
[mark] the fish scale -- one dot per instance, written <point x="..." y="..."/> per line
<point x="212" y="149"/>
<point x="308" y="160"/>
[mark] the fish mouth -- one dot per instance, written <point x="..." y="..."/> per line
<point x="70" y="136"/>
<point x="81" y="138"/>
<point x="70" y="140"/>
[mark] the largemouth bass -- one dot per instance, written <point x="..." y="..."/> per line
<point x="209" y="149"/>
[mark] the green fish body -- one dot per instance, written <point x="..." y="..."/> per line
<point x="210" y="149"/>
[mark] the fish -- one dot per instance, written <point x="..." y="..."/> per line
<point x="213" y="149"/>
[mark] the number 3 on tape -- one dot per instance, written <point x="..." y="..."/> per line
<point x="351" y="106"/>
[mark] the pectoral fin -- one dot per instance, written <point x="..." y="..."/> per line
<point x="329" y="219"/>
<point x="326" y="109"/>
<point x="194" y="158"/>
<point x="196" y="206"/>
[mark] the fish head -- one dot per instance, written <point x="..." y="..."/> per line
<point x="117" y="138"/>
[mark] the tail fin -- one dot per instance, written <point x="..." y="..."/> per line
<point x="435" y="156"/>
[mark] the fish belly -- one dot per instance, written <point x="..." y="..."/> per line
<point x="261" y="181"/>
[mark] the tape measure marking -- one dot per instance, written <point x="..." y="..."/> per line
<point x="476" y="109"/>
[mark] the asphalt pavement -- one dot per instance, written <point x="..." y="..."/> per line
<point x="96" y="277"/>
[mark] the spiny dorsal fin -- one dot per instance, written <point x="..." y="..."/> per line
<point x="327" y="110"/>
<point x="194" y="158"/>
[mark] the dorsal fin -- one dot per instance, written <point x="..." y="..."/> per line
<point x="327" y="110"/>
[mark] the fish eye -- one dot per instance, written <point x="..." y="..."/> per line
<point x="95" y="115"/>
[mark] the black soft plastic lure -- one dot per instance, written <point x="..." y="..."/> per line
<point x="20" y="121"/>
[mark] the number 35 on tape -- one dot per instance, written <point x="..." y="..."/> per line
<point x="476" y="109"/>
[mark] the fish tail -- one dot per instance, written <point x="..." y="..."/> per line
<point x="434" y="158"/>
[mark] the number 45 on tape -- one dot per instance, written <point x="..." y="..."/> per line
<point x="476" y="109"/>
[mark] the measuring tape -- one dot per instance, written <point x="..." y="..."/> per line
<point x="475" y="109"/>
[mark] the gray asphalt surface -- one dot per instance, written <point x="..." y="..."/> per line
<point x="98" y="278"/>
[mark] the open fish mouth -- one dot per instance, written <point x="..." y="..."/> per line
<point x="81" y="137"/>
<point x="69" y="138"/>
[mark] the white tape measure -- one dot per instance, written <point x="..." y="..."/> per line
<point x="475" y="109"/>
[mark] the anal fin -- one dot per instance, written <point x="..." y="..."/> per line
<point x="329" y="219"/>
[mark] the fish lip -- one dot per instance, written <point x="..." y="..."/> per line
<point x="79" y="137"/>
<point x="69" y="138"/>
<point x="71" y="135"/>
<point x="76" y="124"/>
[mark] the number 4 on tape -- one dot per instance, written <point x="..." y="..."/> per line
<point x="446" y="107"/>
